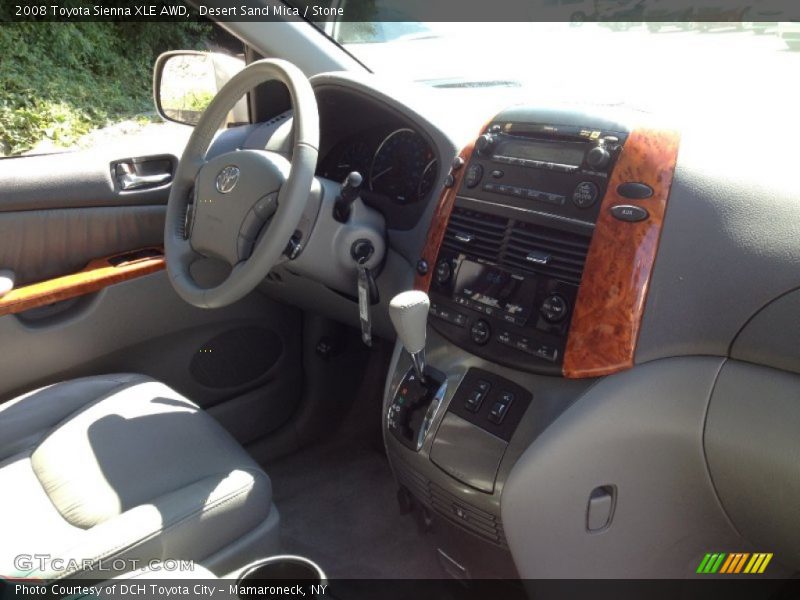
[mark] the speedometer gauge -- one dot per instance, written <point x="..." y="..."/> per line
<point x="399" y="166"/>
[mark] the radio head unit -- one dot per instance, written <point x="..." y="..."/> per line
<point x="560" y="167"/>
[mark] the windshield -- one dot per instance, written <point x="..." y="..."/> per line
<point x="689" y="69"/>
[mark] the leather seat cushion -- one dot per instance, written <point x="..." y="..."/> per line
<point x="121" y="466"/>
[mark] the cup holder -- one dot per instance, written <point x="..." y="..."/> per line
<point x="286" y="569"/>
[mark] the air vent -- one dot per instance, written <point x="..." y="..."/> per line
<point x="463" y="514"/>
<point x="552" y="252"/>
<point x="480" y="523"/>
<point x="518" y="245"/>
<point x="476" y="234"/>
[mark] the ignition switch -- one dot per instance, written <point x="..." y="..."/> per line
<point x="361" y="251"/>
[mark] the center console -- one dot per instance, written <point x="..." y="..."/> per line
<point x="505" y="280"/>
<point x="536" y="267"/>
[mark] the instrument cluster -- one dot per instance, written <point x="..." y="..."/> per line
<point x="399" y="165"/>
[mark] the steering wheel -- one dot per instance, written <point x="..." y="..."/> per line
<point x="246" y="203"/>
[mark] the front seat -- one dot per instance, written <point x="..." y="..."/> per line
<point x="101" y="469"/>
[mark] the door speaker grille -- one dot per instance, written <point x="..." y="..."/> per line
<point x="236" y="357"/>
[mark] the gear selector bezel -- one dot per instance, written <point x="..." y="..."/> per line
<point x="414" y="407"/>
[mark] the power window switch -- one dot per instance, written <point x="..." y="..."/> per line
<point x="474" y="401"/>
<point x="500" y="408"/>
<point x="498" y="412"/>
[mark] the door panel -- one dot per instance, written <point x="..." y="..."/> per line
<point x="42" y="244"/>
<point x="83" y="178"/>
<point x="60" y="211"/>
<point x="58" y="214"/>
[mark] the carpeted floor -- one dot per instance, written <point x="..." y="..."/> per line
<point x="337" y="505"/>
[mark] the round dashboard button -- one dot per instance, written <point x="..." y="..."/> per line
<point x="554" y="308"/>
<point x="480" y="332"/>
<point x="585" y="194"/>
<point x="443" y="272"/>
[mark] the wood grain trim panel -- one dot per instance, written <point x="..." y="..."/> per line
<point x="611" y="299"/>
<point x="99" y="273"/>
<point x="441" y="216"/>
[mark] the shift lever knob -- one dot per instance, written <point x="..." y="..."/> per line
<point x="409" y="314"/>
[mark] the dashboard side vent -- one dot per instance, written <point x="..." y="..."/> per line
<point x="475" y="233"/>
<point x="548" y="251"/>
<point x="462" y="514"/>
<point x="480" y="523"/>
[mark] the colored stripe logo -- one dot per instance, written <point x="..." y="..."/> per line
<point x="734" y="563"/>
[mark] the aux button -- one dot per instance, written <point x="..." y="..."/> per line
<point x="629" y="212"/>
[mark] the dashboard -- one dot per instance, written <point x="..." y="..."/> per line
<point x="395" y="158"/>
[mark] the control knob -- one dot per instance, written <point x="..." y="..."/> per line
<point x="554" y="308"/>
<point x="443" y="272"/>
<point x="480" y="332"/>
<point x="485" y="144"/>
<point x="598" y="157"/>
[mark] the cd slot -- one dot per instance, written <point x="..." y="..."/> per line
<point x="535" y="164"/>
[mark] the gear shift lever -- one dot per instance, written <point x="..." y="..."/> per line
<point x="409" y="314"/>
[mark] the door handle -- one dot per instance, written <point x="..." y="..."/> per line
<point x="132" y="181"/>
<point x="141" y="173"/>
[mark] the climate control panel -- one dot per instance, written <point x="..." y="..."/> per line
<point x="508" y="316"/>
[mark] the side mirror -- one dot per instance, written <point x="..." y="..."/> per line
<point x="185" y="82"/>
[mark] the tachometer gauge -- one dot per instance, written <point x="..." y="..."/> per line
<point x="427" y="180"/>
<point x="348" y="157"/>
<point x="399" y="164"/>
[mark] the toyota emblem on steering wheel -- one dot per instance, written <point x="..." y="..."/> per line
<point x="227" y="179"/>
